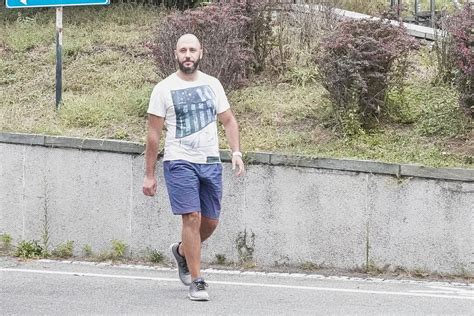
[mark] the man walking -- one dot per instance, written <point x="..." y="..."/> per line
<point x="189" y="102"/>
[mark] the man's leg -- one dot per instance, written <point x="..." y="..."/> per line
<point x="208" y="226"/>
<point x="191" y="243"/>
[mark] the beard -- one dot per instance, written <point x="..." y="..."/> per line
<point x="191" y="69"/>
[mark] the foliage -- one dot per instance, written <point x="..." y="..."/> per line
<point x="6" y="240"/>
<point x="259" y="33"/>
<point x="87" y="250"/>
<point x="461" y="29"/>
<point x="118" y="248"/>
<point x="154" y="256"/>
<point x="109" y="73"/>
<point x="220" y="259"/>
<point x="27" y="249"/>
<point x="117" y="251"/>
<point x="223" y="31"/>
<point x="64" y="250"/>
<point x="441" y="115"/>
<point x="355" y="63"/>
<point x="432" y="109"/>
<point x="170" y="4"/>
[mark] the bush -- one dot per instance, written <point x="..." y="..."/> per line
<point x="356" y="64"/>
<point x="29" y="249"/>
<point x="64" y="250"/>
<point x="461" y="29"/>
<point x="224" y="33"/>
<point x="154" y="256"/>
<point x="6" y="241"/>
<point x="179" y="4"/>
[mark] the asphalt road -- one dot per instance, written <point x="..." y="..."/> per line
<point x="51" y="287"/>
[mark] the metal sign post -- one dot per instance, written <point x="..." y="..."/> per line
<point x="432" y="10"/>
<point x="59" y="56"/>
<point x="59" y="4"/>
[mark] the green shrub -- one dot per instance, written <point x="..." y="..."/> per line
<point x="28" y="249"/>
<point x="118" y="248"/>
<point x="154" y="256"/>
<point x="220" y="259"/>
<point x="64" y="250"/>
<point x="87" y="250"/>
<point x="6" y="241"/>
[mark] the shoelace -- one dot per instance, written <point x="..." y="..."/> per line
<point x="184" y="266"/>
<point x="200" y="285"/>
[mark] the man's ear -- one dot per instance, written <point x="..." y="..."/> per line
<point x="175" y="55"/>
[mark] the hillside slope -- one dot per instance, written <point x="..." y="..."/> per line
<point x="109" y="74"/>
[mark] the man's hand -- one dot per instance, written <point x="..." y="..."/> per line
<point x="238" y="164"/>
<point x="149" y="186"/>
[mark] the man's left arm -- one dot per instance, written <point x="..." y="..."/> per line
<point x="231" y="128"/>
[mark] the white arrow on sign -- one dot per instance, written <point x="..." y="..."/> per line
<point x="24" y="1"/>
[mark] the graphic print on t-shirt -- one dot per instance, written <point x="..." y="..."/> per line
<point x="195" y="108"/>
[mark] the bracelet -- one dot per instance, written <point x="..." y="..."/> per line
<point x="237" y="153"/>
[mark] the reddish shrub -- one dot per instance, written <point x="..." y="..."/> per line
<point x="224" y="33"/>
<point x="356" y="62"/>
<point x="461" y="28"/>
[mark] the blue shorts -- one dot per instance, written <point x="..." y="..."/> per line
<point x="194" y="187"/>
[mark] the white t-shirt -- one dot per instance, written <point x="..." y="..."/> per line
<point x="190" y="110"/>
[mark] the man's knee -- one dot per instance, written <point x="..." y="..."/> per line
<point x="192" y="220"/>
<point x="209" y="223"/>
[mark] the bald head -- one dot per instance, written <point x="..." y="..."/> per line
<point x="188" y="40"/>
<point x="188" y="53"/>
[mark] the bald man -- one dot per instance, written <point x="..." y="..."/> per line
<point x="189" y="102"/>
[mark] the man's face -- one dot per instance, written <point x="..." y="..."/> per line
<point x="188" y="54"/>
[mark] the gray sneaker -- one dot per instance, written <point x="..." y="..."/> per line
<point x="197" y="290"/>
<point x="183" y="271"/>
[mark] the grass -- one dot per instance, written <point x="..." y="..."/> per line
<point x="375" y="6"/>
<point x="109" y="74"/>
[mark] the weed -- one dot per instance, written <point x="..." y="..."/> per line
<point x="220" y="259"/>
<point x="302" y="75"/>
<point x="87" y="250"/>
<point x="154" y="256"/>
<point x="245" y="243"/>
<point x="309" y="266"/>
<point x="420" y="273"/>
<point x="443" y="118"/>
<point x="64" y="250"/>
<point x="28" y="249"/>
<point x="45" y="221"/>
<point x="118" y="248"/>
<point x="6" y="241"/>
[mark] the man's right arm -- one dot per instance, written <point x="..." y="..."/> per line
<point x="155" y="127"/>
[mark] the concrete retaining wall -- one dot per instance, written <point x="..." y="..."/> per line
<point x="285" y="211"/>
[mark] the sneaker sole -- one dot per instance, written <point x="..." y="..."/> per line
<point x="177" y="266"/>
<point x="202" y="299"/>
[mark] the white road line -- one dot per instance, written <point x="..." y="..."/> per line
<point x="282" y="286"/>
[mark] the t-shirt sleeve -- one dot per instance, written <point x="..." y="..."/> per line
<point x="222" y="101"/>
<point x="157" y="105"/>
